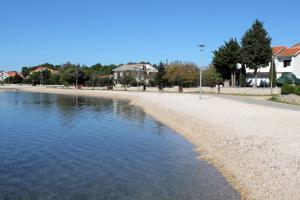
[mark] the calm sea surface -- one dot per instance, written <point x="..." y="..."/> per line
<point x="73" y="147"/>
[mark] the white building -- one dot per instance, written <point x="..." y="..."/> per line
<point x="141" y="72"/>
<point x="3" y="75"/>
<point x="285" y="59"/>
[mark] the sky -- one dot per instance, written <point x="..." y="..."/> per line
<point x="87" y="32"/>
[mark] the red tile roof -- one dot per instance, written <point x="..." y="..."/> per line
<point x="39" y="69"/>
<point x="12" y="74"/>
<point x="278" y="49"/>
<point x="297" y="45"/>
<point x="294" y="51"/>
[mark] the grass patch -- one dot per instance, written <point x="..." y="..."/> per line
<point x="275" y="98"/>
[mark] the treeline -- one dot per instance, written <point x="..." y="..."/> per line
<point x="177" y="73"/>
<point x="65" y="74"/>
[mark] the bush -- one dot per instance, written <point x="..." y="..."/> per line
<point x="287" y="89"/>
<point x="211" y="77"/>
<point x="297" y="90"/>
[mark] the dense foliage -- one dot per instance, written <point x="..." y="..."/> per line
<point x="290" y="89"/>
<point x="161" y="78"/>
<point x="68" y="74"/>
<point x="13" y="80"/>
<point x="182" y="74"/>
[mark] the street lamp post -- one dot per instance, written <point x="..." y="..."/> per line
<point x="201" y="46"/>
<point x="200" y="83"/>
<point x="93" y="80"/>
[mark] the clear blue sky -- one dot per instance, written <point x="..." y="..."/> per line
<point x="117" y="31"/>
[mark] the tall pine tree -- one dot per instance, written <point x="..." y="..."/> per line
<point x="160" y="78"/>
<point x="256" y="48"/>
<point x="226" y="58"/>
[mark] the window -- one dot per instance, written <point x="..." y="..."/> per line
<point x="286" y="63"/>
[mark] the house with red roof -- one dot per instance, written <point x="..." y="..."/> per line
<point x="41" y="69"/>
<point x="12" y="73"/>
<point x="286" y="59"/>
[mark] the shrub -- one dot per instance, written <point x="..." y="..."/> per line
<point x="287" y="89"/>
<point x="297" y="90"/>
<point x="211" y="77"/>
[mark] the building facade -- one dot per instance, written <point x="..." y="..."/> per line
<point x="286" y="59"/>
<point x="142" y="73"/>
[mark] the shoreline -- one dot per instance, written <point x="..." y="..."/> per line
<point x="259" y="166"/>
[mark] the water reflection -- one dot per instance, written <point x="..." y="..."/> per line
<point x="121" y="108"/>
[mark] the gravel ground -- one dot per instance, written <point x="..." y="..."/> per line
<point x="256" y="147"/>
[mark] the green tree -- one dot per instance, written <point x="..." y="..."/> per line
<point x="128" y="79"/>
<point x="69" y="72"/>
<point x="226" y="59"/>
<point x="160" y="77"/>
<point x="26" y="71"/>
<point x="182" y="74"/>
<point x="34" y="78"/>
<point x="13" y="80"/>
<point x="211" y="77"/>
<point x="256" y="48"/>
<point x="54" y="79"/>
<point x="102" y="69"/>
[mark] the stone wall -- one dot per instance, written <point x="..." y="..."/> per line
<point x="197" y="90"/>
<point x="135" y="89"/>
<point x="249" y="91"/>
<point x="171" y="89"/>
<point x="152" y="89"/>
<point x="119" y="88"/>
<point x="209" y="90"/>
<point x="238" y="91"/>
<point x="291" y="98"/>
<point x="95" y="88"/>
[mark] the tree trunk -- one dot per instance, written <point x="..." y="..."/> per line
<point x="255" y="74"/>
<point x="234" y="79"/>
